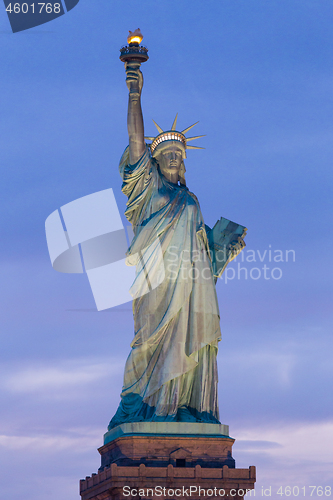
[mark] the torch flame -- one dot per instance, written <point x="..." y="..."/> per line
<point x="135" y="36"/>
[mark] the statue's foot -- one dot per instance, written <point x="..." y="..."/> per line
<point x="185" y="415"/>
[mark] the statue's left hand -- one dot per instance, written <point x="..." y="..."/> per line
<point x="237" y="246"/>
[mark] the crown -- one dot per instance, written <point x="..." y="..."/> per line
<point x="173" y="135"/>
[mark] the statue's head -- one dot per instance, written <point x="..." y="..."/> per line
<point x="169" y="150"/>
<point x="169" y="156"/>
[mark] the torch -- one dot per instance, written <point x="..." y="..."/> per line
<point x="133" y="52"/>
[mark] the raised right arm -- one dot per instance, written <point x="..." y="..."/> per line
<point x="134" y="81"/>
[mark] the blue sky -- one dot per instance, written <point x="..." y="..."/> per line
<point x="258" y="75"/>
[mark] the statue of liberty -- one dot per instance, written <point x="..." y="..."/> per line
<point x="171" y="371"/>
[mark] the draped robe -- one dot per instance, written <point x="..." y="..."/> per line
<point x="171" y="371"/>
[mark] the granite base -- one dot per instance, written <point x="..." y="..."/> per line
<point x="169" y="460"/>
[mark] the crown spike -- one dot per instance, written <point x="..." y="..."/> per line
<point x="173" y="127"/>
<point x="196" y="137"/>
<point x="150" y="138"/>
<point x="188" y="128"/>
<point x="158" y="127"/>
<point x="193" y="147"/>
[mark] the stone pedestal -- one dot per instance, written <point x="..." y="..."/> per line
<point x="169" y="461"/>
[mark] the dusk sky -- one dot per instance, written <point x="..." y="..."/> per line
<point x="258" y="75"/>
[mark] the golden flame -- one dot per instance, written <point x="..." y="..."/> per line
<point x="134" y="39"/>
<point x="135" y="36"/>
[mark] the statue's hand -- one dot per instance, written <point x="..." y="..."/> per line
<point x="134" y="78"/>
<point x="236" y="247"/>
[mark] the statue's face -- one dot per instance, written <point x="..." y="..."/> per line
<point x="170" y="160"/>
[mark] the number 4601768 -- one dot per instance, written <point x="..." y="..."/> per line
<point x="25" y="8"/>
<point x="295" y="491"/>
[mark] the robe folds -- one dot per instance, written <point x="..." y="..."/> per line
<point x="171" y="371"/>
